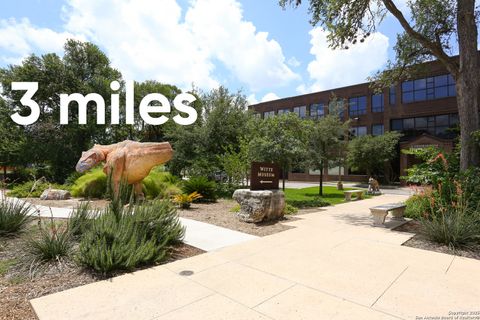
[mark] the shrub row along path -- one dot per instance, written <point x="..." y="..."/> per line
<point x="198" y="234"/>
<point x="332" y="265"/>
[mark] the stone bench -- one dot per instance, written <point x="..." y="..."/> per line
<point x="348" y="194"/>
<point x="380" y="213"/>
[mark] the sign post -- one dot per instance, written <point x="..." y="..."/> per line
<point x="264" y="176"/>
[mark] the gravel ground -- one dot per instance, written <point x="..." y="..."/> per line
<point x="220" y="214"/>
<point x="419" y="241"/>
<point x="19" y="282"/>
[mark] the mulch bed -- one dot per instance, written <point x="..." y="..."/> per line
<point x="19" y="284"/>
<point x="419" y="241"/>
<point x="220" y="214"/>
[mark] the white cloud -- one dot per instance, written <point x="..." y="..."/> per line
<point x="220" y="30"/>
<point x="155" y="40"/>
<point x="293" y="62"/>
<point x="269" y="97"/>
<point x="252" y="99"/>
<point x="18" y="39"/>
<point x="144" y="39"/>
<point x="336" y="68"/>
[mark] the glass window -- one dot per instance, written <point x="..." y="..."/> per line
<point x="441" y="120"/>
<point x="358" y="106"/>
<point x="358" y="131"/>
<point x="453" y="119"/>
<point x="408" y="123"/>
<point x="268" y="114"/>
<point x="428" y="88"/>
<point x="421" y="123"/>
<point x="377" y="102"/>
<point x="397" y="124"/>
<point x="301" y="111"/>
<point x="377" y="129"/>
<point x="336" y="107"/>
<point x="317" y="110"/>
<point x="283" y="111"/>
<point x="392" y="96"/>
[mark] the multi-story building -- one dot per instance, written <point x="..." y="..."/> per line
<point x="423" y="109"/>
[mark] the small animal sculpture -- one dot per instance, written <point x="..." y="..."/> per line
<point x="128" y="160"/>
<point x="373" y="186"/>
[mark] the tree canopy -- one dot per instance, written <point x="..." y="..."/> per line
<point x="431" y="30"/>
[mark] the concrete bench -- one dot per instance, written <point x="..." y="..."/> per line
<point x="348" y="194"/>
<point x="380" y="213"/>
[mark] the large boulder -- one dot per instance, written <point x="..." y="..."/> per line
<point x="55" y="194"/>
<point x="258" y="206"/>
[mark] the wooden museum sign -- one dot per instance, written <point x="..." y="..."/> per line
<point x="264" y="176"/>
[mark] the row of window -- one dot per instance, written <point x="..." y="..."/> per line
<point x="377" y="130"/>
<point x="434" y="125"/>
<point x="412" y="91"/>
<point x="428" y="88"/>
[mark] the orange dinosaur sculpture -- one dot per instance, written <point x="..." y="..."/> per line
<point x="128" y="160"/>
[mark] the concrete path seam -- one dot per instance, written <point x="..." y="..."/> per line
<point x="391" y="284"/>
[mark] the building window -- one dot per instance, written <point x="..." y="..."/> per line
<point x="392" y="96"/>
<point x="377" y="102"/>
<point x="336" y="107"/>
<point x="428" y="89"/>
<point x="283" y="111"/>
<point x="317" y="111"/>
<point x="434" y="125"/>
<point x="358" y="131"/>
<point x="377" y="129"/>
<point x="301" y="111"/>
<point x="268" y="114"/>
<point x="358" y="106"/>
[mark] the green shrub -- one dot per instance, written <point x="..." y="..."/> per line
<point x="92" y="184"/>
<point x="14" y="216"/>
<point x="80" y="219"/>
<point x="203" y="186"/>
<point x="226" y="190"/>
<point x="52" y="244"/>
<point x="235" y="209"/>
<point x="418" y="205"/>
<point x="125" y="238"/>
<point x="289" y="209"/>
<point x="308" y="203"/>
<point x="455" y="227"/>
<point x="33" y="188"/>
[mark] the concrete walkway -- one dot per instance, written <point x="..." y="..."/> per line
<point x="333" y="265"/>
<point x="198" y="234"/>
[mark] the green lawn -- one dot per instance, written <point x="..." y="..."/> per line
<point x="308" y="197"/>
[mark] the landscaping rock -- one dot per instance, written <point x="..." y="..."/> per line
<point x="258" y="206"/>
<point x="55" y="194"/>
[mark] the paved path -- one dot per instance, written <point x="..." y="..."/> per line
<point x="333" y="265"/>
<point x="198" y="234"/>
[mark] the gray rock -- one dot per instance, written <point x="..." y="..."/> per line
<point x="55" y="194"/>
<point x="258" y="206"/>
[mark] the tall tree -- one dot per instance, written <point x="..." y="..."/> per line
<point x="83" y="69"/>
<point x="281" y="140"/>
<point x="325" y="138"/>
<point x="427" y="35"/>
<point x="371" y="153"/>
<point x="12" y="138"/>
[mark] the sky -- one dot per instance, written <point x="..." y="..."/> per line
<point x="250" y="45"/>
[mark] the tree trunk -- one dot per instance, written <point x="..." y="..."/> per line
<point x="320" y="187"/>
<point x="283" y="178"/>
<point x="468" y="84"/>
